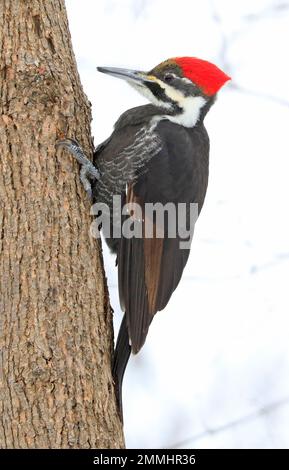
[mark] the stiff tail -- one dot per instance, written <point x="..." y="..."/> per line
<point x="121" y="357"/>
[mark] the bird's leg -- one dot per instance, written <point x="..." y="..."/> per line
<point x="88" y="171"/>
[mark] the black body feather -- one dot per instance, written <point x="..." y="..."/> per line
<point x="146" y="160"/>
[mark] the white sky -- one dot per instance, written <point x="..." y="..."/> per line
<point x="220" y="351"/>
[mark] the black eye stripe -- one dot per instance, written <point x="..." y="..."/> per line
<point x="161" y="95"/>
<point x="157" y="91"/>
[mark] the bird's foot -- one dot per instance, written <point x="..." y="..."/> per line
<point x="88" y="171"/>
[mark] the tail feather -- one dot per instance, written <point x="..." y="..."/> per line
<point x="121" y="357"/>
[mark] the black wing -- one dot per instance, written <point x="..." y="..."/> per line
<point x="151" y="268"/>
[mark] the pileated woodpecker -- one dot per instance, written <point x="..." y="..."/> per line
<point x="157" y="153"/>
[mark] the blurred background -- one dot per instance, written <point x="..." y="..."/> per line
<point x="214" y="372"/>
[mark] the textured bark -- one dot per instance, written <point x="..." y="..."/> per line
<point x="56" y="387"/>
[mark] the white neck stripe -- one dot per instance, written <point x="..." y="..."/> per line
<point x="190" y="115"/>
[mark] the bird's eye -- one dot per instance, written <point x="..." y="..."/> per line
<point x="169" y="77"/>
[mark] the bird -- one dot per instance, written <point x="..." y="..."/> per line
<point x="157" y="154"/>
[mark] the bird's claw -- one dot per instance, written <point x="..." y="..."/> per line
<point x="88" y="171"/>
<point x="84" y="178"/>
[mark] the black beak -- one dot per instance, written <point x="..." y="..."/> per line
<point x="129" y="75"/>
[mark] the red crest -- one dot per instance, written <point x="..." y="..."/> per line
<point x="204" y="74"/>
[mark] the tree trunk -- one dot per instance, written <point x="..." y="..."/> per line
<point x="56" y="388"/>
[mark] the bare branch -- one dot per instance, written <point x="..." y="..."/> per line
<point x="264" y="410"/>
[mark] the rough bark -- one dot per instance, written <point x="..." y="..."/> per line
<point x="56" y="387"/>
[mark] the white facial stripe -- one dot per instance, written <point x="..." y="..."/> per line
<point x="191" y="105"/>
<point x="183" y="79"/>
<point x="186" y="80"/>
<point x="173" y="94"/>
<point x="143" y="90"/>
